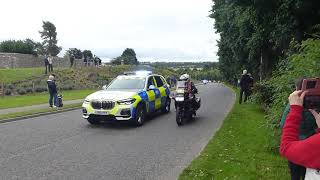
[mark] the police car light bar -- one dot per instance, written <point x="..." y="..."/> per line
<point x="143" y="73"/>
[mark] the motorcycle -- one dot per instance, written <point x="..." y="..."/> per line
<point x="186" y="105"/>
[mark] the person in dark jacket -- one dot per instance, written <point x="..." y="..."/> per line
<point x="52" y="88"/>
<point x="46" y="64"/>
<point x="244" y="86"/>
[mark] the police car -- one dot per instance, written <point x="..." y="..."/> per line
<point x="129" y="97"/>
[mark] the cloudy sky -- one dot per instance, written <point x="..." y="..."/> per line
<point x="158" y="30"/>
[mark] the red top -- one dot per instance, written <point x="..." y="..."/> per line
<point x="303" y="152"/>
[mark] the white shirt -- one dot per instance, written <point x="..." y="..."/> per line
<point x="312" y="174"/>
<point x="50" y="59"/>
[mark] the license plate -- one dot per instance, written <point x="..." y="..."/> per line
<point x="101" y="113"/>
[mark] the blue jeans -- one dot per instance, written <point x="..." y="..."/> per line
<point x="54" y="98"/>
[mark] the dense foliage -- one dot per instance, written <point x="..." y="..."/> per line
<point x="27" y="46"/>
<point x="303" y="62"/>
<point x="128" y="57"/>
<point x="76" y="53"/>
<point x="49" y="36"/>
<point x="255" y="34"/>
<point x="87" y="54"/>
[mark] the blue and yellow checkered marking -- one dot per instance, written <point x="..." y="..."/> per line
<point x="154" y="100"/>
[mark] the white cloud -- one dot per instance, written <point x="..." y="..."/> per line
<point x="161" y="30"/>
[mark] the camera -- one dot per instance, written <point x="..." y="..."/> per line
<point x="312" y="97"/>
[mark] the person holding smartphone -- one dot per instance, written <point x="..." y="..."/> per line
<point x="302" y="152"/>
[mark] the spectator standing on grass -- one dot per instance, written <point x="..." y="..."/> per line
<point x="71" y="56"/>
<point x="46" y="63"/>
<point x="85" y="60"/>
<point x="53" y="93"/>
<point x="95" y="59"/>
<point x="304" y="152"/>
<point x="100" y="61"/>
<point x="307" y="128"/>
<point x="50" y="60"/>
<point x="244" y="86"/>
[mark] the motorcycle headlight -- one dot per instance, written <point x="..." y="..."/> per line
<point x="179" y="99"/>
<point x="126" y="101"/>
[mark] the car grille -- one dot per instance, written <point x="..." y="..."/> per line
<point x="102" y="104"/>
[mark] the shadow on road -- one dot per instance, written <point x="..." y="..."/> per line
<point x="125" y="125"/>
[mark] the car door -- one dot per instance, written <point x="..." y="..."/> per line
<point x="151" y="104"/>
<point x="161" y="93"/>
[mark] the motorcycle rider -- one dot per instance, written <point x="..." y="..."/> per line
<point x="191" y="88"/>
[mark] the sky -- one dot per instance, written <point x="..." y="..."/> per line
<point x="158" y="30"/>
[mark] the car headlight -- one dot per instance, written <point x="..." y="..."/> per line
<point x="86" y="101"/>
<point x="126" y="101"/>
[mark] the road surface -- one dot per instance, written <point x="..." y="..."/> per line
<point x="65" y="146"/>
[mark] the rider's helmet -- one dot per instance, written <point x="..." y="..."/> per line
<point x="184" y="77"/>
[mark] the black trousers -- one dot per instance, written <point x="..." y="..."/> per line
<point x="47" y="67"/>
<point x="50" y="68"/>
<point x="244" y="91"/>
<point x="297" y="172"/>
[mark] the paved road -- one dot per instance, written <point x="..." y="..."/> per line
<point x="64" y="146"/>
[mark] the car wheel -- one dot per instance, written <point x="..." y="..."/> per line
<point x="140" y="116"/>
<point x="93" y="120"/>
<point x="166" y="108"/>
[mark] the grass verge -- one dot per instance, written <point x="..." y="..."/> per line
<point x="12" y="75"/>
<point x="39" y="98"/>
<point x="35" y="112"/>
<point x="238" y="150"/>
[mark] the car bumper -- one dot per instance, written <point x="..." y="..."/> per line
<point x="118" y="113"/>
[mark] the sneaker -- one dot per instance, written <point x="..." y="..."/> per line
<point x="54" y="106"/>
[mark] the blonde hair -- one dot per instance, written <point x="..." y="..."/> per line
<point x="51" y="77"/>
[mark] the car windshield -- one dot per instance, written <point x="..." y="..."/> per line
<point x="124" y="83"/>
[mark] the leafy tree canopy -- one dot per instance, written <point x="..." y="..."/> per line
<point x="49" y="37"/>
<point x="128" y="57"/>
<point x="27" y="46"/>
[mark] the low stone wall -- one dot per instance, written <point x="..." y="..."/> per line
<point x="16" y="60"/>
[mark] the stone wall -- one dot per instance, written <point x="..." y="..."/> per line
<point x="16" y="60"/>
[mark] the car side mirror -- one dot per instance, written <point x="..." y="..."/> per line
<point x="152" y="87"/>
<point x="104" y="87"/>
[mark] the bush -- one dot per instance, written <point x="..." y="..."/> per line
<point x="7" y="92"/>
<point x="274" y="93"/>
<point x="40" y="89"/>
<point x="9" y="86"/>
<point x="29" y="90"/>
<point x="22" y="91"/>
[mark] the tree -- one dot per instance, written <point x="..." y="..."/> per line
<point x="128" y="57"/>
<point x="27" y="46"/>
<point x="49" y="36"/>
<point x="87" y="54"/>
<point x="77" y="53"/>
<point x="255" y="35"/>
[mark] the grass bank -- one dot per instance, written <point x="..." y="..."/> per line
<point x="38" y="111"/>
<point x="39" y="98"/>
<point x="238" y="150"/>
<point x="12" y="75"/>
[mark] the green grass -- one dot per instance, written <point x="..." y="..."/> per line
<point x="21" y="114"/>
<point x="13" y="75"/>
<point x="238" y="150"/>
<point x="40" y="98"/>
